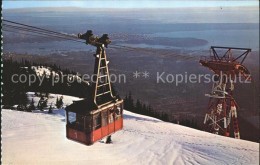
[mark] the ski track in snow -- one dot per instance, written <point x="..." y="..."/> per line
<point x="39" y="138"/>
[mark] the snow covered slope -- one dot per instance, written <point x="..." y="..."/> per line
<point x="39" y="138"/>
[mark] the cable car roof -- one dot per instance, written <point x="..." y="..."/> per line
<point x="82" y="107"/>
<point x="86" y="107"/>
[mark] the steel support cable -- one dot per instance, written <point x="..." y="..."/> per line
<point x="41" y="34"/>
<point x="58" y="35"/>
<point x="33" y="34"/>
<point x="112" y="46"/>
<point x="22" y="32"/>
<point x="34" y="30"/>
<point x="49" y="31"/>
<point x="37" y="32"/>
<point x="153" y="51"/>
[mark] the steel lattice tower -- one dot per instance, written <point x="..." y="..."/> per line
<point x="221" y="113"/>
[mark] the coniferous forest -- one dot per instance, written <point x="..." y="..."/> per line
<point x="15" y="93"/>
<point x="143" y="109"/>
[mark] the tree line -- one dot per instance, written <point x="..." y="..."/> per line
<point x="143" y="109"/>
<point x="15" y="93"/>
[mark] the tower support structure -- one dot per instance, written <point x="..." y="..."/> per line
<point x="222" y="111"/>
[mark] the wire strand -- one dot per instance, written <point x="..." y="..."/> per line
<point x="29" y="33"/>
<point x="37" y="32"/>
<point x="50" y="31"/>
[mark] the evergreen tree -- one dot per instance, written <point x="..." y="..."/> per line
<point x="50" y="109"/>
<point x="22" y="98"/>
<point x="42" y="103"/>
<point x="61" y="101"/>
<point x="165" y="117"/>
<point x="144" y="109"/>
<point x="31" y="106"/>
<point x="126" y="103"/>
<point x="138" y="106"/>
<point x="45" y="103"/>
<point x="130" y="102"/>
<point x="58" y="103"/>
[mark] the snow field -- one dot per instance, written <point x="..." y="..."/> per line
<point x="39" y="138"/>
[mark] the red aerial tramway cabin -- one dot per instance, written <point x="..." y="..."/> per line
<point x="101" y="114"/>
<point x="88" y="124"/>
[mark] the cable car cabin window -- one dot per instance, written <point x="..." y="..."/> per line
<point x="97" y="121"/>
<point x="71" y="117"/>
<point x="118" y="113"/>
<point x="76" y="120"/>
<point x="111" y="115"/>
<point x="104" y="118"/>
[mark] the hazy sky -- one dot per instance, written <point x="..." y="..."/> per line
<point x="127" y="4"/>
